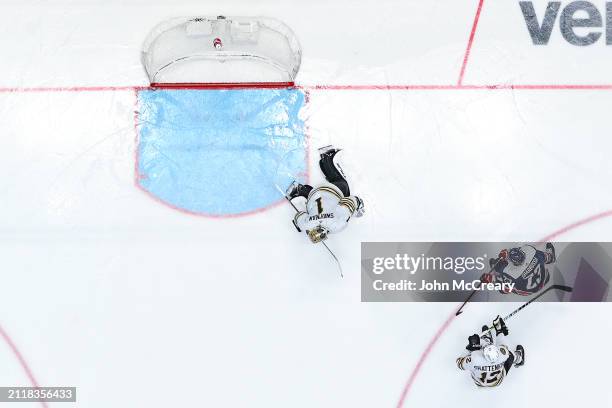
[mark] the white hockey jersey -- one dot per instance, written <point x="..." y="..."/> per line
<point x="483" y="372"/>
<point x="327" y="207"/>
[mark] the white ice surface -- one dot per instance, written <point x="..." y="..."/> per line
<point x="141" y="306"/>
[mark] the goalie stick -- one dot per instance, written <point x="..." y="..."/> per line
<point x="557" y="287"/>
<point x="324" y="244"/>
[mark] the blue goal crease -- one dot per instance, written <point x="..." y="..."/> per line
<point x="220" y="152"/>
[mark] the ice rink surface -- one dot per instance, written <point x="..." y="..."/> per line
<point x="454" y="128"/>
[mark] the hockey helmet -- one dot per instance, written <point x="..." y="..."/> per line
<point x="516" y="256"/>
<point x="491" y="353"/>
<point x="317" y="234"/>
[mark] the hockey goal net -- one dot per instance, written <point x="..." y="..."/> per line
<point x="213" y="51"/>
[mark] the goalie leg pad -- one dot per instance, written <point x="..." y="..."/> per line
<point x="333" y="172"/>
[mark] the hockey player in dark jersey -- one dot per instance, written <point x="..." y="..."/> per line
<point x="328" y="208"/>
<point x="525" y="266"/>
<point x="490" y="359"/>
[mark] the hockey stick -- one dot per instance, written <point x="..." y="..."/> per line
<point x="466" y="301"/>
<point x="324" y="244"/>
<point x="557" y="287"/>
<point x="335" y="259"/>
<point x="475" y="290"/>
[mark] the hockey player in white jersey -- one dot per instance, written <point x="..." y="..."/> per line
<point x="489" y="359"/>
<point x="328" y="208"/>
<point x="525" y="266"/>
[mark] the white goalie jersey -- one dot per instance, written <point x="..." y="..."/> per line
<point x="328" y="208"/>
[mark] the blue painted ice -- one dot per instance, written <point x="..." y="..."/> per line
<point x="220" y="152"/>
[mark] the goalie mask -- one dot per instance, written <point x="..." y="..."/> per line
<point x="317" y="234"/>
<point x="516" y="256"/>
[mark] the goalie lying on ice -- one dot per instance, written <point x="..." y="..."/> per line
<point x="490" y="359"/>
<point x="329" y="207"/>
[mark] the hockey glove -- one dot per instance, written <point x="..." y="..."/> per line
<point x="500" y="326"/>
<point x="487" y="278"/>
<point x="473" y="343"/>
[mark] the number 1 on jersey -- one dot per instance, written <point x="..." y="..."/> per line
<point x="319" y="205"/>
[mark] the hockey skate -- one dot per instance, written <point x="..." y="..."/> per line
<point x="293" y="190"/>
<point x="329" y="149"/>
<point x="519" y="356"/>
<point x="360" y="207"/>
<point x="297" y="189"/>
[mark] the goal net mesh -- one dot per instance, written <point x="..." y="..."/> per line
<point x="228" y="50"/>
